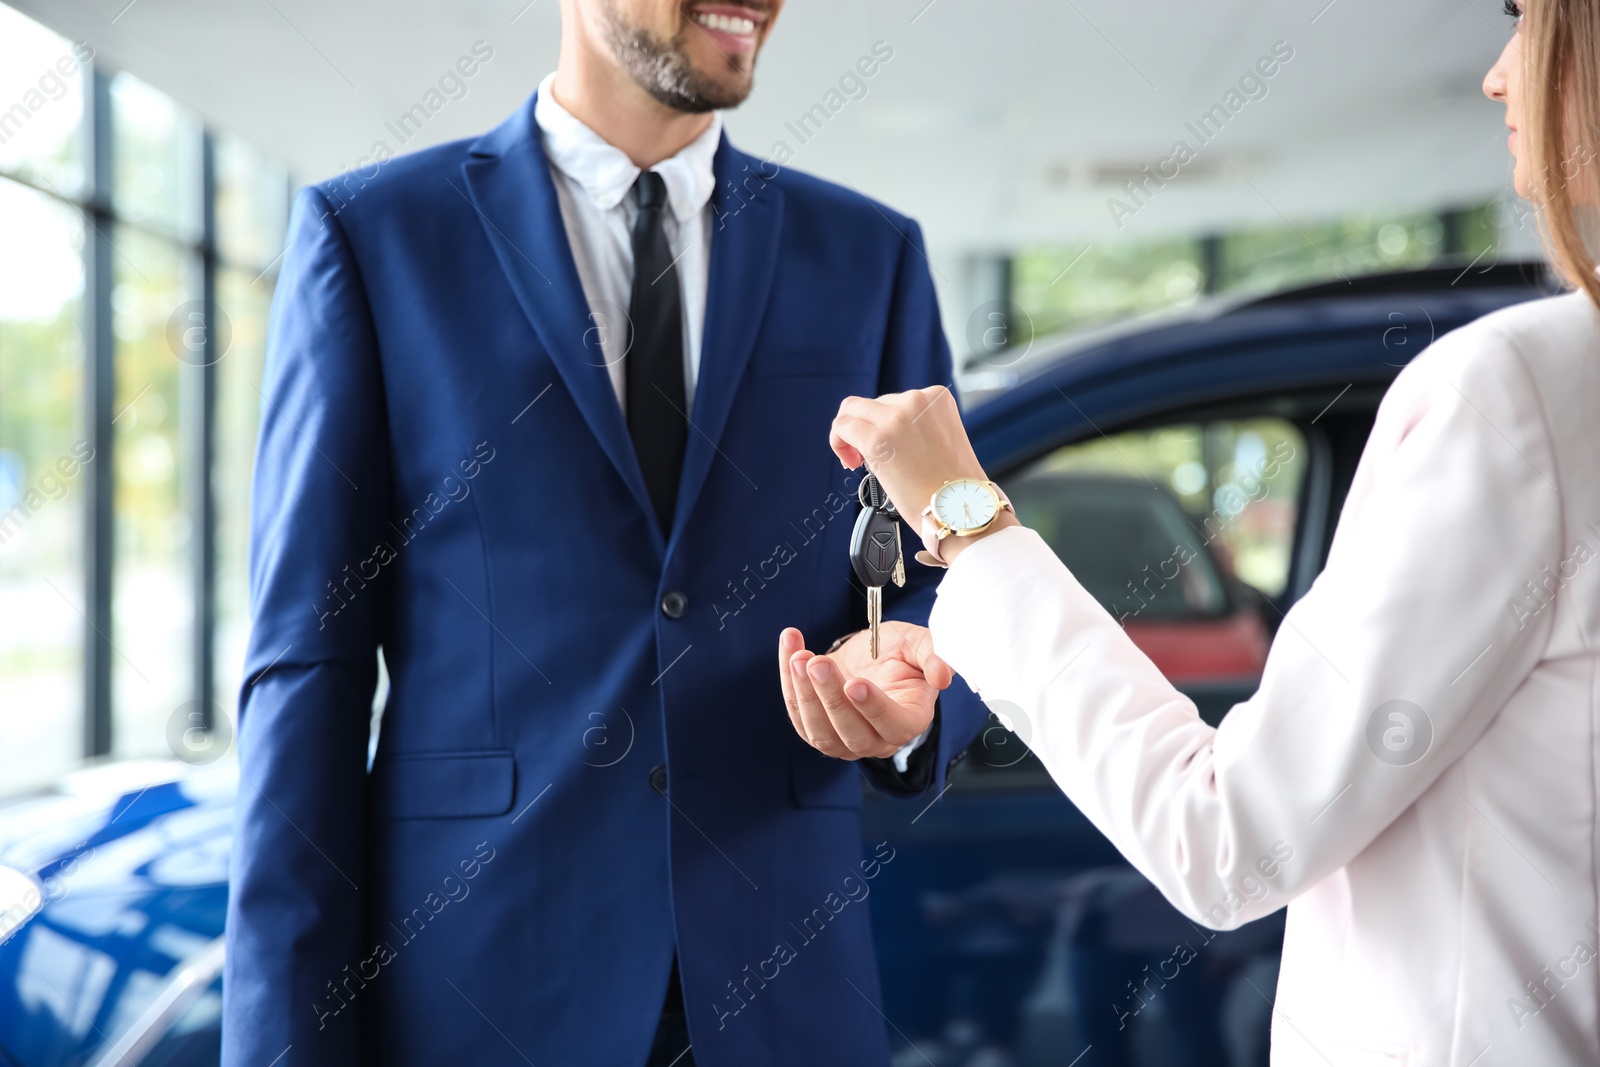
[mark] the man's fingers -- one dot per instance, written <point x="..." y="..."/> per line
<point x="888" y="718"/>
<point x="806" y="704"/>
<point x="857" y="734"/>
<point x="815" y="726"/>
<point x="790" y="641"/>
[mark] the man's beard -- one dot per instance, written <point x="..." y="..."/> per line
<point x="662" y="68"/>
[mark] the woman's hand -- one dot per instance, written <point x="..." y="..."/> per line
<point x="913" y="442"/>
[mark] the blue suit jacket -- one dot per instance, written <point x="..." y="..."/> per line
<point x="445" y="474"/>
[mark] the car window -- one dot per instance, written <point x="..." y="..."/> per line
<point x="1126" y="539"/>
<point x="1236" y="481"/>
<point x="1184" y="533"/>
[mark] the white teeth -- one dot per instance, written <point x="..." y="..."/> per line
<point x="726" y="23"/>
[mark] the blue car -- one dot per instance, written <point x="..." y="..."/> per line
<point x="1189" y="469"/>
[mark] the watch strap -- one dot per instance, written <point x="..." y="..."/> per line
<point x="929" y="556"/>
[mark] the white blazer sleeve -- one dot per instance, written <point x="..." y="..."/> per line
<point x="1453" y="509"/>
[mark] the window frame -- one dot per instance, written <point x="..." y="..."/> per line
<point x="95" y="202"/>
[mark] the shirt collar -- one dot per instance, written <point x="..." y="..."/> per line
<point x="606" y="173"/>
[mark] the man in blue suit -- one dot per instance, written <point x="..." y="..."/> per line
<point x="545" y="425"/>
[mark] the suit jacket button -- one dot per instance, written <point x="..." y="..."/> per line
<point x="674" y="604"/>
<point x="658" y="779"/>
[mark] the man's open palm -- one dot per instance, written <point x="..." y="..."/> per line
<point x="851" y="706"/>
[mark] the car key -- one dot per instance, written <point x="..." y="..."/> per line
<point x="875" y="551"/>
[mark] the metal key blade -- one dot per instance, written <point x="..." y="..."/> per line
<point x="874" y="617"/>
<point x="875" y="551"/>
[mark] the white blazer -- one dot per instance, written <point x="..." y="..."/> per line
<point x="1416" y="777"/>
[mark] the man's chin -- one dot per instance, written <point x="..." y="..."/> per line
<point x="684" y="74"/>
<point x="727" y="83"/>
<point x="707" y="94"/>
<point x="730" y="98"/>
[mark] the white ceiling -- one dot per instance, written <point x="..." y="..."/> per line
<point x="985" y="124"/>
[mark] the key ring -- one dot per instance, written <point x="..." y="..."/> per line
<point x="870" y="493"/>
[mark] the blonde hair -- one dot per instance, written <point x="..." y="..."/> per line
<point x="1561" y="101"/>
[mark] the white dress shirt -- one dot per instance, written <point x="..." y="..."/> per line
<point x="1417" y="776"/>
<point x="593" y="179"/>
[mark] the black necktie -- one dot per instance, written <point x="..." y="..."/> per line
<point x="658" y="416"/>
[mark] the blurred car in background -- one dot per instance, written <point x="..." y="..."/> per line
<point x="123" y="965"/>
<point x="1189" y="470"/>
<point x="1174" y="590"/>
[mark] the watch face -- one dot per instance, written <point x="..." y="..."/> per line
<point x="966" y="504"/>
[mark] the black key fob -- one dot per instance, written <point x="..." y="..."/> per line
<point x="874" y="547"/>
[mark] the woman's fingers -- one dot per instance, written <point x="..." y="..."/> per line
<point x="913" y="441"/>
<point x="845" y="439"/>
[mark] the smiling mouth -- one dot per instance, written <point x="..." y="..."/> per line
<point x="736" y="25"/>
<point x="733" y="24"/>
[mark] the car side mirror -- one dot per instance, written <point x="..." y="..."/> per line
<point x="20" y="900"/>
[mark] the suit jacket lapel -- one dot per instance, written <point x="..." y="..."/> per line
<point x="509" y="183"/>
<point x="744" y="258"/>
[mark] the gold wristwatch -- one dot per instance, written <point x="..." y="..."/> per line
<point x="963" y="507"/>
